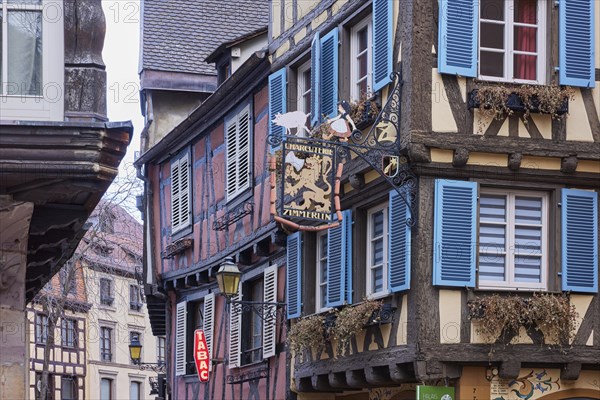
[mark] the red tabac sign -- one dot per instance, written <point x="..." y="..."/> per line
<point x="201" y="355"/>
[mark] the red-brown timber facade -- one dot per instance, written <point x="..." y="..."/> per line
<point x="207" y="198"/>
<point x="504" y="204"/>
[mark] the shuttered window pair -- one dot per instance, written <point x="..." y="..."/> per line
<point x="180" y="193"/>
<point x="324" y="69"/>
<point x="245" y="332"/>
<point x="237" y="141"/>
<point x="183" y="338"/>
<point x="505" y="40"/>
<point x="520" y="241"/>
<point x="394" y="266"/>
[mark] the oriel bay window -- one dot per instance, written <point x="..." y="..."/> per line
<point x="503" y="239"/>
<point x="32" y="59"/>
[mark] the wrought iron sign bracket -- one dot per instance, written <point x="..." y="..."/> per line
<point x="160" y="368"/>
<point x="249" y="376"/>
<point x="379" y="148"/>
<point x="267" y="312"/>
<point x="232" y="216"/>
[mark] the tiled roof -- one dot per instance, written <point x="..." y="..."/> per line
<point x="177" y="35"/>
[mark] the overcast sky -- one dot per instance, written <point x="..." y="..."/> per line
<point x="121" y="56"/>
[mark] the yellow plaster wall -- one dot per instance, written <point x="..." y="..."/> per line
<point x="285" y="46"/>
<point x="588" y="166"/>
<point x="489" y="159"/>
<point x="304" y="6"/>
<point x="301" y="34"/>
<point x="450" y="308"/>
<point x="547" y="163"/>
<point x="275" y="20"/>
<point x="401" y="337"/>
<point x="441" y="113"/>
<point x="578" y="125"/>
<point x="441" y="155"/>
<point x="319" y="20"/>
<point x="581" y="303"/>
<point x="544" y="124"/>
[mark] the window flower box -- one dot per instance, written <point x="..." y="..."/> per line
<point x="526" y="99"/>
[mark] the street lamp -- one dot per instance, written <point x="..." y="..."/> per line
<point x="228" y="278"/>
<point x="135" y="352"/>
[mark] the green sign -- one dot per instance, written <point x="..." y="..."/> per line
<point x="435" y="393"/>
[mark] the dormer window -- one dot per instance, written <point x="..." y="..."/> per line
<point x="224" y="72"/>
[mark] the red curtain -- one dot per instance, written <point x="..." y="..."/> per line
<point x="525" y="65"/>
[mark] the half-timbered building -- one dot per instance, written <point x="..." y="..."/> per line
<point x="206" y="199"/>
<point x="68" y="354"/>
<point x="500" y="199"/>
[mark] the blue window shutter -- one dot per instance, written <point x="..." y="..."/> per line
<point x="315" y="73"/>
<point x="579" y="240"/>
<point x="576" y="38"/>
<point x="399" y="242"/>
<point x="277" y="100"/>
<point x="339" y="263"/>
<point x="328" y="90"/>
<point x="294" y="275"/>
<point x="455" y="230"/>
<point x="457" y="37"/>
<point x="382" y="43"/>
<point x="347" y="246"/>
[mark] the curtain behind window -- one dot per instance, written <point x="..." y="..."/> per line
<point x="24" y="53"/>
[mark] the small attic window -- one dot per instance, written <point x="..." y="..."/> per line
<point x="224" y="71"/>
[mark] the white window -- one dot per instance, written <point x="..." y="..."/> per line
<point x="237" y="132"/>
<point x="377" y="250"/>
<point x="321" y="271"/>
<point x="304" y="88"/>
<point x="106" y="389"/>
<point x="361" y="55"/>
<point x="512" y="40"/>
<point x="180" y="193"/>
<point x="513" y="231"/>
<point x="161" y="342"/>
<point x="31" y="60"/>
<point x="135" y="390"/>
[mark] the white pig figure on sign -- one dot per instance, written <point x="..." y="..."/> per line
<point x="292" y="120"/>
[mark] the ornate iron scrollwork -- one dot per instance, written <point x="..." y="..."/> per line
<point x="379" y="148"/>
<point x="159" y="368"/>
<point x="232" y="216"/>
<point x="249" y="376"/>
<point x="273" y="313"/>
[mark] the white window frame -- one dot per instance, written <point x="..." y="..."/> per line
<point x="321" y="281"/>
<point x="354" y="54"/>
<point x="161" y="349"/>
<point x="236" y="152"/>
<point x="509" y="52"/>
<point x="303" y="91"/>
<point x="385" y="290"/>
<point x="111" y="343"/>
<point x="509" y="283"/>
<point x="49" y="106"/>
<point x="184" y="219"/>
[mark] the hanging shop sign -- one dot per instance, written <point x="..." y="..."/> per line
<point x="307" y="165"/>
<point x="435" y="393"/>
<point x="201" y="355"/>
